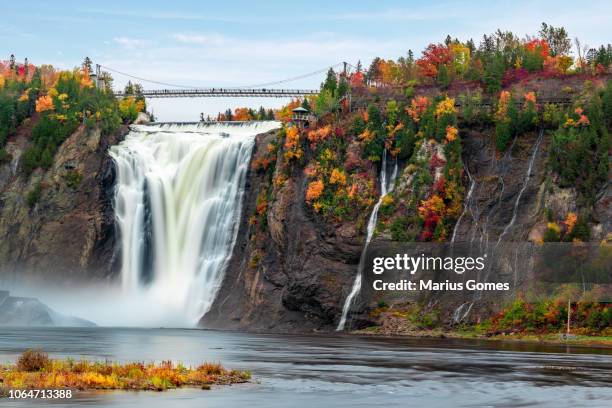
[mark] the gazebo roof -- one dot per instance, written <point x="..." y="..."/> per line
<point x="300" y="109"/>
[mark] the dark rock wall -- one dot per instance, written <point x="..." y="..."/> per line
<point x="68" y="233"/>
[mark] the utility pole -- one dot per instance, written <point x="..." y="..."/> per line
<point x="98" y="76"/>
<point x="344" y="68"/>
<point x="569" y="308"/>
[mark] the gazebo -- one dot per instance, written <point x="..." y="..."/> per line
<point x="302" y="117"/>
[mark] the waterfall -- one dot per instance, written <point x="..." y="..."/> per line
<point x="468" y="201"/>
<point x="385" y="188"/>
<point x="177" y="204"/>
<point x="523" y="188"/>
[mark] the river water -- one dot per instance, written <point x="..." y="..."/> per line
<point x="333" y="370"/>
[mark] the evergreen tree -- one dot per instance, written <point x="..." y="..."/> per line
<point x="443" y="77"/>
<point x="261" y="114"/>
<point x="373" y="74"/>
<point x="343" y="87"/>
<point x="129" y="88"/>
<point x="87" y="65"/>
<point x="330" y="83"/>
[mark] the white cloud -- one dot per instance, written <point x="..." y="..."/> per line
<point x="211" y="39"/>
<point x="130" y="43"/>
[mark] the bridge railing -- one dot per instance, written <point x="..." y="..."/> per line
<point x="220" y="92"/>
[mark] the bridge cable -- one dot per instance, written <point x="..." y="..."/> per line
<point x="292" y="78"/>
<point x="239" y="87"/>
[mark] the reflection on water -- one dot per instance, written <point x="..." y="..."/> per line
<point x="308" y="371"/>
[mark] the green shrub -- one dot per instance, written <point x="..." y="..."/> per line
<point x="34" y="195"/>
<point x="73" y="178"/>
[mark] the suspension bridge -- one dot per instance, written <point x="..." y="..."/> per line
<point x="260" y="90"/>
<point x="223" y="92"/>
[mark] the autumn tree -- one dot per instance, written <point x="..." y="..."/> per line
<point x="557" y="39"/>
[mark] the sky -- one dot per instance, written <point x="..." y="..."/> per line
<point x="242" y="43"/>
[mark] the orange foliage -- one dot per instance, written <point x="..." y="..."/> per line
<point x="314" y="191"/>
<point x="451" y="133"/>
<point x="538" y="45"/>
<point x="318" y="135"/>
<point x="502" y="106"/>
<point x="44" y="103"/>
<point x="417" y="107"/>
<point x="242" y="114"/>
<point x="570" y="222"/>
<point x="530" y="98"/>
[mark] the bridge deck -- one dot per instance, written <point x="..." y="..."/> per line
<point x="224" y="92"/>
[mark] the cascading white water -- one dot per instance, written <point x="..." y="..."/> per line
<point x="466" y="207"/>
<point x="177" y="203"/>
<point x="523" y="188"/>
<point x="385" y="188"/>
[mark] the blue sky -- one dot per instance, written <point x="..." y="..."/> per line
<point x="246" y="42"/>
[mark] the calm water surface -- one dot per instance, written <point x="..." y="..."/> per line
<point x="334" y="371"/>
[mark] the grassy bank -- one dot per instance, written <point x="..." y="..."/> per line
<point x="35" y="370"/>
<point x="544" y="320"/>
<point x="470" y="334"/>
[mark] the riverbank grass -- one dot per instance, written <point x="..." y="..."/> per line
<point x="35" y="370"/>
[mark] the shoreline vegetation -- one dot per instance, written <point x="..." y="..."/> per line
<point x="35" y="370"/>
<point x="552" y="320"/>
<point x="602" y="341"/>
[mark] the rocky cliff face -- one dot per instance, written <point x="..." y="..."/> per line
<point x="291" y="275"/>
<point x="297" y="274"/>
<point x="57" y="225"/>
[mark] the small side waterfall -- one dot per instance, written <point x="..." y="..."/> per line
<point x="523" y="187"/>
<point x="177" y="202"/>
<point x="468" y="202"/>
<point x="385" y="188"/>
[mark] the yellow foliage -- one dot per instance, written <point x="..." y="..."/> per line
<point x="447" y="105"/>
<point x="553" y="227"/>
<point x="24" y="96"/>
<point x="461" y="57"/>
<point x="327" y="155"/>
<point x="60" y="374"/>
<point x="1" y="81"/>
<point x="337" y="177"/>
<point x="387" y="200"/>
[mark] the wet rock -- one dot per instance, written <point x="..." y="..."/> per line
<point x="26" y="311"/>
